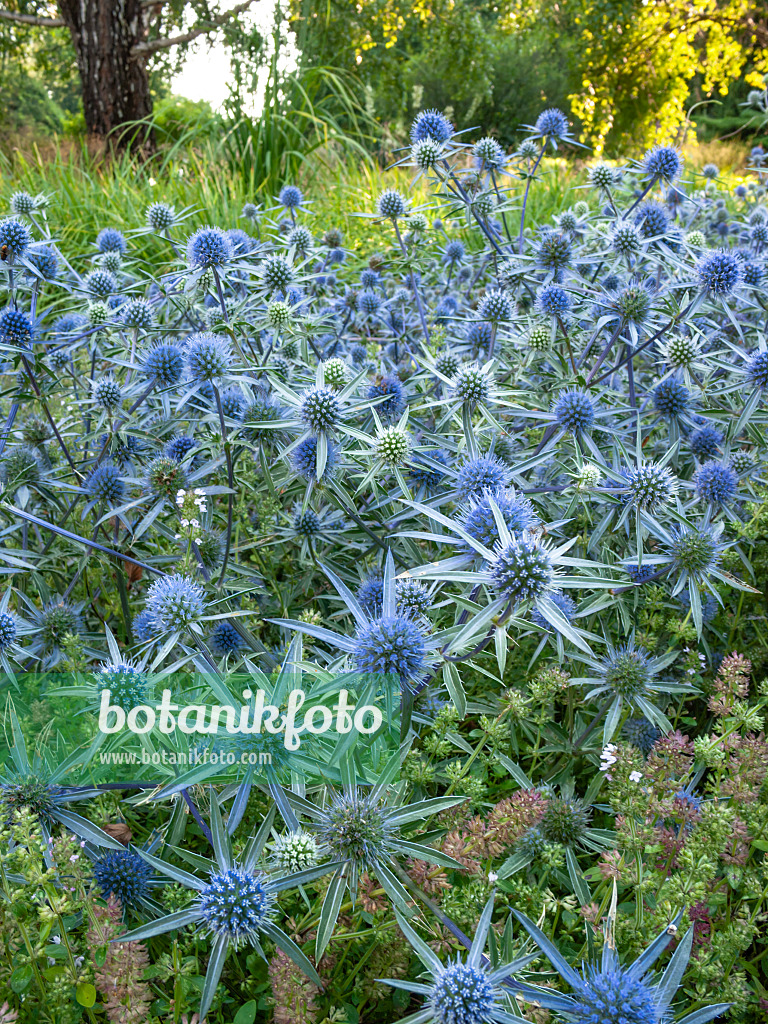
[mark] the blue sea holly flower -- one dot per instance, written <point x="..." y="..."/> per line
<point x="671" y="398"/>
<point x="574" y="411"/>
<point x="552" y="300"/>
<point x="209" y="357"/>
<point x="123" y="874"/>
<point x="15" y="239"/>
<point x="225" y="639"/>
<point x="290" y="197"/>
<point x="304" y="459"/>
<point x="175" y="602"/>
<point x="478" y="518"/>
<point x="111" y="240"/>
<point x="716" y="483"/>
<point x="431" y="124"/>
<point x="481" y="474"/>
<point x="465" y="990"/>
<point x="391" y="204"/>
<point x="45" y="260"/>
<point x="163" y="363"/>
<point x="718" y="272"/>
<point x="706" y="442"/>
<point x="612" y="993"/>
<point x="208" y="247"/>
<point x="16" y="328"/>
<point x="652" y="220"/>
<point x="756" y="370"/>
<point x="521" y="569"/>
<point x="390" y="388"/>
<point x="105" y="484"/>
<point x="662" y="163"/>
<point x="391" y="645"/>
<point x="552" y="124"/>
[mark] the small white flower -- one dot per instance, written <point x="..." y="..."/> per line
<point x="492" y="877"/>
<point x="635" y="776"/>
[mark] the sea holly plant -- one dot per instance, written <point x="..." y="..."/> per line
<point x="235" y="905"/>
<point x="363" y="828"/>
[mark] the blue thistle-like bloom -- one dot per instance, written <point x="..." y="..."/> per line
<point x="208" y="247"/>
<point x="614" y="995"/>
<point x="413" y="598"/>
<point x="391" y="645"/>
<point x="671" y="398"/>
<point x="178" y="446"/>
<point x="304" y="458"/>
<point x="479" y="522"/>
<point x="232" y="402"/>
<point x="237" y="904"/>
<point x="662" y="163"/>
<point x="650" y="486"/>
<point x="290" y="197"/>
<point x="355" y="827"/>
<point x="431" y="124"/>
<point x="471" y="385"/>
<point x="307" y="523"/>
<point x="705" y="442"/>
<point x="521" y="570"/>
<point x="695" y="552"/>
<point x="574" y="411"/>
<point x="715" y="482"/>
<point x="454" y="252"/>
<point x="552" y="300"/>
<point x="479" y="334"/>
<point x="68" y="324"/>
<point x="22" y="203"/>
<point x="145" y="626"/>
<point x="489" y="155"/>
<point x="160" y="216"/>
<point x="104" y="484"/>
<point x="111" y="240"/>
<point x="164" y="363"/>
<point x="626" y="240"/>
<point x="100" y="284"/>
<point x="757" y="370"/>
<point x="225" y="639"/>
<point x="481" y="474"/>
<point x="240" y="240"/>
<point x="138" y="313"/>
<point x="123" y="873"/>
<point x="44" y="259"/>
<point x="276" y="272"/>
<point x="175" y="601"/>
<point x="391" y="386"/>
<point x="565" y="604"/>
<point x="369" y="278"/>
<point x="652" y="219"/>
<point x="391" y="204"/>
<point x="370" y="593"/>
<point x="446" y="308"/>
<point x="495" y="306"/>
<point x="627" y="671"/>
<point x="641" y="733"/>
<point x="462" y="994"/>
<point x="127" y="684"/>
<point x="552" y="124"/>
<point x="8" y="630"/>
<point x="719" y="272"/>
<point x="107" y="393"/>
<point x="209" y="357"/>
<point x="16" y="328"/>
<point x="368" y="302"/>
<point x="15" y="239"/>
<point x="751" y="274"/>
<point x="422" y="474"/>
<point x="554" y="252"/>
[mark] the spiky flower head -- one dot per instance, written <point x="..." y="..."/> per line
<point x="15" y="239"/>
<point x="320" y="408"/>
<point x="421" y="473"/>
<point x="694" y="551"/>
<point x="163" y="363"/>
<point x="540" y="337"/>
<point x="574" y="411"/>
<point x="671" y="398"/>
<point x="715" y="482"/>
<point x="225" y="639"/>
<point x="55" y="620"/>
<point x="626" y="240"/>
<point x="479" y="521"/>
<point x="209" y="357"/>
<point x="431" y="124"/>
<point x="44" y="259"/>
<point x="627" y="671"/>
<point x="742" y="462"/>
<point x="368" y="302"/>
<point x="392" y="645"/>
<point x="522" y="569"/>
<point x="295" y="851"/>
<point x="237" y="904"/>
<point x="552" y="300"/>
<point x="306" y="523"/>
<point x="208" y="247"/>
<point x="165" y="477"/>
<point x="446" y="363"/>
<point x="489" y="155"/>
<point x="111" y="240"/>
<point x="710" y="171"/>
<point x="175" y="601"/>
<point x="662" y="163"/>
<point x="554" y="252"/>
<point x="20" y="468"/>
<point x="413" y="598"/>
<point x="602" y="177"/>
<point x="276" y="272"/>
<point x="160" y="216"/>
<point x="388" y="385"/>
<point x="22" y="204"/>
<point x="355" y="827"/>
<point x="16" y="328"/>
<point x="589" y="475"/>
<point x="462" y="994"/>
<point x="564" y="604"/>
<point x="290" y="197"/>
<point x="681" y="351"/>
<point x="565" y="821"/>
<point x="335" y="373"/>
<point x="391" y="204"/>
<point x="8" y="630"/>
<point x="705" y="442"/>
<point x="138" y="313"/>
<point x="756" y="369"/>
<point x="751" y="274"/>
<point x="29" y="791"/>
<point x="279" y="314"/>
<point x="127" y="684"/>
<point x="105" y="484"/>
<point x="426" y="153"/>
<point x="696" y="239"/>
<point x="650" y="486"/>
<point x="107" y="393"/>
<point x="304" y="459"/>
<point x="111" y="261"/>
<point x="300" y="239"/>
<point x="98" y="314"/>
<point x="100" y="284"/>
<point x="633" y="304"/>
<point x="471" y="384"/>
<point x="641" y="733"/>
<point x="613" y="996"/>
<point x="393" y="446"/>
<point x="495" y="306"/>
<point x="124" y="874"/>
<point x="528" y="150"/>
<point x="652" y="219"/>
<point x="719" y="272"/>
<point x="552" y="124"/>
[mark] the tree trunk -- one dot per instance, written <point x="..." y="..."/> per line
<point x="115" y="85"/>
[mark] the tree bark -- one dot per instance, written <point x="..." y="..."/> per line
<point x="115" y="83"/>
